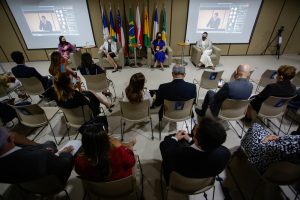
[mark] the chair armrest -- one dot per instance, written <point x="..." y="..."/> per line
<point x="149" y="56"/>
<point x="121" y="57"/>
<point x="195" y="54"/>
<point x="217" y="51"/>
<point x="100" y="56"/>
<point x="195" y="81"/>
<point x="169" y="51"/>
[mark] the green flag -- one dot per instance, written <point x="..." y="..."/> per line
<point x="132" y="40"/>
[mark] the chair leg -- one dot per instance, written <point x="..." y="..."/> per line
<point x="279" y="129"/>
<point x="187" y="127"/>
<point x="67" y="194"/>
<point x="151" y="128"/>
<point x="159" y="127"/>
<point x="38" y="134"/>
<point x="214" y="193"/>
<point x="53" y="133"/>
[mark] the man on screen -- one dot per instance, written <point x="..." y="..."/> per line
<point x="45" y="25"/>
<point x="205" y="45"/>
<point x="214" y="21"/>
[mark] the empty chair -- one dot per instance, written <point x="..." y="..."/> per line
<point x="32" y="85"/>
<point x="35" y="116"/>
<point x="134" y="112"/>
<point x="98" y="83"/>
<point x="269" y="76"/>
<point x="189" y="186"/>
<point x="75" y="117"/>
<point x="274" y="107"/>
<point x="177" y="111"/>
<point x="209" y="80"/>
<point x="233" y="110"/>
<point x="45" y="186"/>
<point x="296" y="79"/>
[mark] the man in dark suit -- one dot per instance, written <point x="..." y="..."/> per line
<point x="200" y="156"/>
<point x="23" y="71"/>
<point x="177" y="90"/>
<point x="30" y="161"/>
<point x="239" y="89"/>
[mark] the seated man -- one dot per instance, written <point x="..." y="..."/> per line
<point x="30" y="161"/>
<point x="282" y="88"/>
<point x="177" y="90"/>
<point x="263" y="148"/>
<point x="205" y="45"/>
<point x="204" y="158"/>
<point x="239" y="89"/>
<point x="23" y="71"/>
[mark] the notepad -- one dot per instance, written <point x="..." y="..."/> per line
<point x="75" y="143"/>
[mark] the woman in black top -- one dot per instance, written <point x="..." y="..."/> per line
<point x="88" y="67"/>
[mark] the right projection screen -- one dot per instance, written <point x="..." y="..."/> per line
<point x="225" y="21"/>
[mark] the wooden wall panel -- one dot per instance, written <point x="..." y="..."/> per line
<point x="9" y="41"/>
<point x="264" y="26"/>
<point x="273" y="14"/>
<point x="288" y="18"/>
<point x="238" y="49"/>
<point x="294" y="41"/>
<point x="178" y="26"/>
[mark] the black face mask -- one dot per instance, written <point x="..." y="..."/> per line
<point x="203" y="37"/>
<point x="159" y="37"/>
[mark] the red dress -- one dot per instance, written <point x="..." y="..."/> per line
<point x="121" y="162"/>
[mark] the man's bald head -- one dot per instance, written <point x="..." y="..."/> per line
<point x="243" y="71"/>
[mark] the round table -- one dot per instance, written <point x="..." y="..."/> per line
<point x="183" y="45"/>
<point x="88" y="48"/>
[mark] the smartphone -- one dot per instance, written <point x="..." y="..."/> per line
<point x="62" y="68"/>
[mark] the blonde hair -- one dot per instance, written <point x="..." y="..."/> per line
<point x="63" y="88"/>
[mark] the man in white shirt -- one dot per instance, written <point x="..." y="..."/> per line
<point x="205" y="45"/>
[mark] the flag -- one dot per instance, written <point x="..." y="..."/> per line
<point x="104" y="25"/>
<point x="120" y="30"/>
<point x="112" y="28"/>
<point x="132" y="40"/>
<point x="155" y="24"/>
<point x="163" y="34"/>
<point x="139" y="35"/>
<point x="146" y="28"/>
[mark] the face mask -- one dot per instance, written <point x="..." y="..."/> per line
<point x="203" y="37"/>
<point x="159" y="37"/>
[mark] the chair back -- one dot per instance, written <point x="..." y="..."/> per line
<point x="135" y="111"/>
<point x="187" y="185"/>
<point x="97" y="83"/>
<point x="32" y="85"/>
<point x="296" y="79"/>
<point x="178" y="110"/>
<point x="269" y="76"/>
<point x="232" y="109"/>
<point x="3" y="91"/>
<point x="113" y="189"/>
<point x="209" y="79"/>
<point x="44" y="186"/>
<point x="273" y="107"/>
<point x="31" y="115"/>
<point x="75" y="117"/>
<point x="283" y="173"/>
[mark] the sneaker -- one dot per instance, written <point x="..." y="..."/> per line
<point x="114" y="70"/>
<point x="162" y="69"/>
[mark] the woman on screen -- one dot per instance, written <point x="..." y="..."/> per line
<point x="65" y="48"/>
<point x="158" y="48"/>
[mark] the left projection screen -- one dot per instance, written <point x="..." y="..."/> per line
<point x="41" y="22"/>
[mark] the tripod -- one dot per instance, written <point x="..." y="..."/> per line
<point x="278" y="37"/>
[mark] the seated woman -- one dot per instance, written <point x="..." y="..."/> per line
<point x="65" y="48"/>
<point x="135" y="92"/>
<point x="282" y="88"/>
<point x="88" y="67"/>
<point x="68" y="97"/>
<point x="103" y="158"/>
<point x="158" y="48"/>
<point x="109" y="49"/>
<point x="59" y="65"/>
<point x="263" y="148"/>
